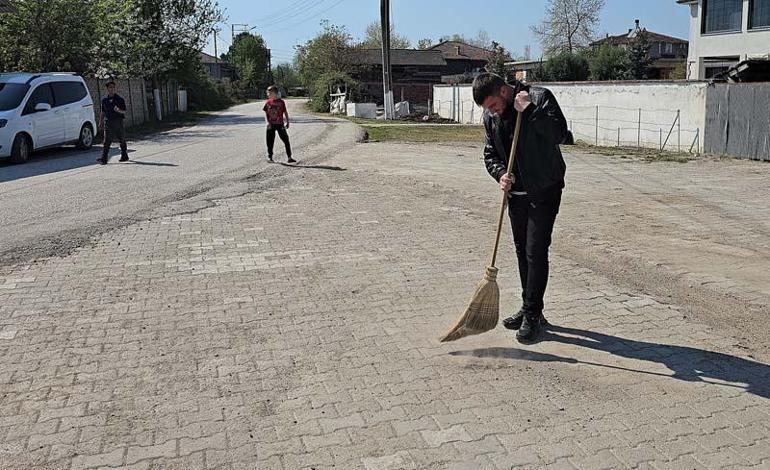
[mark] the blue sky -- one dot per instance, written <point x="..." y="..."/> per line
<point x="284" y="23"/>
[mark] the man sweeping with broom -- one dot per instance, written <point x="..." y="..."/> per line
<point x="534" y="189"/>
<point x="530" y="170"/>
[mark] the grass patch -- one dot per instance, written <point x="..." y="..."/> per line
<point x="426" y="133"/>
<point x="646" y="154"/>
<point x="364" y="122"/>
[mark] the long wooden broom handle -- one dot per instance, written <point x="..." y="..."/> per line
<point x="503" y="206"/>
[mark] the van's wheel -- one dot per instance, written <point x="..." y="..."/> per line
<point x="86" y="138"/>
<point x="21" y="149"/>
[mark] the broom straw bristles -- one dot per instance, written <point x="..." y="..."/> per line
<point x="483" y="312"/>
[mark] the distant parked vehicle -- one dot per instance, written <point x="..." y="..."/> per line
<point x="44" y="110"/>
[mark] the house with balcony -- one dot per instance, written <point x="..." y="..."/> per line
<point x="724" y="33"/>
<point x="666" y="52"/>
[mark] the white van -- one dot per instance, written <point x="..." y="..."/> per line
<point x="44" y="110"/>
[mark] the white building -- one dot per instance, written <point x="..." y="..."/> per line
<point x="725" y="32"/>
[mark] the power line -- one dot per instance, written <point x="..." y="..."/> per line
<point x="224" y="40"/>
<point x="288" y="14"/>
<point x="292" y="8"/>
<point x="312" y="17"/>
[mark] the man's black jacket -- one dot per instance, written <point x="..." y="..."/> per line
<point x="540" y="165"/>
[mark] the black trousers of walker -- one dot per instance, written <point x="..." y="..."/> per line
<point x="114" y="130"/>
<point x="282" y="134"/>
<point x="532" y="220"/>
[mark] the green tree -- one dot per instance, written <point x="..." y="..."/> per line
<point x="497" y="60"/>
<point x="567" y="67"/>
<point x="680" y="71"/>
<point x="330" y="81"/>
<point x="424" y="43"/>
<point x="328" y="51"/>
<point x="54" y="35"/>
<point x="250" y="56"/>
<point x="148" y="38"/>
<point x="373" y="38"/>
<point x="286" y="76"/>
<point x="152" y="38"/>
<point x="609" y="63"/>
<point x="639" y="56"/>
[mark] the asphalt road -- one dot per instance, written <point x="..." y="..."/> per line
<point x="62" y="198"/>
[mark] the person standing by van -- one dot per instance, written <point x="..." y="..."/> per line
<point x="112" y="115"/>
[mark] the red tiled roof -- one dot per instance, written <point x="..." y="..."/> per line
<point x="450" y="51"/>
<point x="398" y="57"/>
<point x="625" y="39"/>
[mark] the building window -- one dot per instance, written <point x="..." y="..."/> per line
<point x="715" y="66"/>
<point x="722" y="15"/>
<point x="759" y="14"/>
<point x="712" y="72"/>
<point x="669" y="48"/>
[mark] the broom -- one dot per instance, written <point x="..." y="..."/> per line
<point x="483" y="312"/>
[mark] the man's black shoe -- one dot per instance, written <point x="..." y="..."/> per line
<point x="291" y="160"/>
<point x="514" y="322"/>
<point x="531" y="329"/>
<point x="102" y="160"/>
<point x="124" y="158"/>
<point x="270" y="158"/>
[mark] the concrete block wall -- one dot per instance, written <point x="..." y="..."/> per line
<point x="138" y="98"/>
<point x="635" y="113"/>
<point x="133" y="91"/>
<point x="629" y="113"/>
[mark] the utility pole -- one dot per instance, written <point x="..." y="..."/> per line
<point x="242" y="28"/>
<point x="216" y="53"/>
<point x="386" y="72"/>
<point x="217" y="71"/>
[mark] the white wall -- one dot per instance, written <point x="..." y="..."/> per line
<point x="456" y="102"/>
<point x="619" y="107"/>
<point x="743" y="44"/>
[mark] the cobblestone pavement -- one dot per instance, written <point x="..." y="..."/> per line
<point x="295" y="327"/>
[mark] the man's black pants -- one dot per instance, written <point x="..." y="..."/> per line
<point x="271" y="138"/>
<point x="114" y="130"/>
<point x="532" y="220"/>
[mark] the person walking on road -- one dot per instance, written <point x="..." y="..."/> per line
<point x="275" y="111"/>
<point x="112" y="114"/>
<point x="534" y="190"/>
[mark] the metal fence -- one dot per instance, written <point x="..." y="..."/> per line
<point x="139" y="98"/>
<point x="631" y="127"/>
<point x="604" y="125"/>
<point x="738" y="120"/>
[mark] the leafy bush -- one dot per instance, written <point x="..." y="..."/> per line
<point x="319" y="94"/>
<point x="567" y="67"/>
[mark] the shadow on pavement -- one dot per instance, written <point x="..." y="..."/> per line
<point x="312" y="167"/>
<point x="686" y="363"/>
<point x="141" y="162"/>
<point x="52" y="161"/>
<point x="232" y="119"/>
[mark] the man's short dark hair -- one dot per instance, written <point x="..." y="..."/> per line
<point x="486" y="85"/>
<point x="272" y="88"/>
<point x="110" y="83"/>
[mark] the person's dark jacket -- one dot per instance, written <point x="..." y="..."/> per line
<point x="539" y="162"/>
